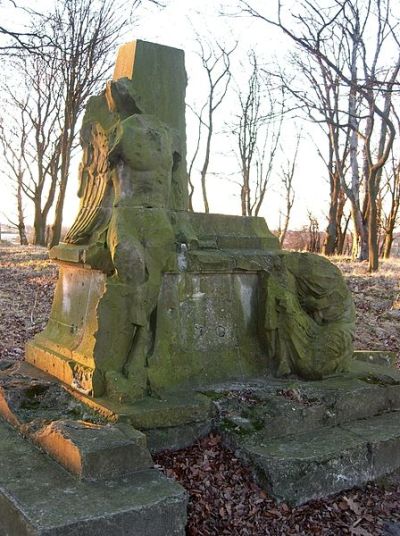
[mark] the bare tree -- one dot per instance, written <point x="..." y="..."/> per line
<point x="322" y="104"/>
<point x="390" y="218"/>
<point x="35" y="40"/>
<point x="16" y="40"/>
<point x="287" y="175"/>
<point x="316" y="95"/>
<point x="369" y="80"/>
<point x="314" y="238"/>
<point x="249" y="124"/>
<point x="216" y="61"/>
<point x="13" y="141"/>
<point x="200" y="124"/>
<point x="34" y="108"/>
<point x="257" y="130"/>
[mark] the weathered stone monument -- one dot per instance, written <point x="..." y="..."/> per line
<point x="162" y="317"/>
<point x="153" y="298"/>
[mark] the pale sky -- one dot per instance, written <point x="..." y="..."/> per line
<point x="177" y="25"/>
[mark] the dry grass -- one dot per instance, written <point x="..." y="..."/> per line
<point x="27" y="281"/>
<point x="377" y="300"/>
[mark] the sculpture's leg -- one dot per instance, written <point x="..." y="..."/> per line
<point x="119" y="311"/>
<point x="141" y="241"/>
<point x="160" y="247"/>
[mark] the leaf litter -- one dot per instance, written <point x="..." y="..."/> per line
<point x="224" y="497"/>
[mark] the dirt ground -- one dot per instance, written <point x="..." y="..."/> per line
<point x="377" y="301"/>
<point x="224" y="499"/>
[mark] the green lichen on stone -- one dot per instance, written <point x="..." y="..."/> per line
<point x="309" y="316"/>
<point x="154" y="299"/>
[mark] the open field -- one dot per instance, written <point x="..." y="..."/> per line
<point x="224" y="498"/>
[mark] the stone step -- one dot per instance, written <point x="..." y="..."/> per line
<point x="315" y="464"/>
<point x="286" y="407"/>
<point x="37" y="496"/>
<point x="378" y="357"/>
<point x="94" y="451"/>
<point x="337" y="403"/>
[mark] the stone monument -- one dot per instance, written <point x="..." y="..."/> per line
<point x="153" y="298"/>
<point x="162" y="317"/>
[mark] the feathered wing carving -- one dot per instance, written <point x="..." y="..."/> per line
<point x="95" y="189"/>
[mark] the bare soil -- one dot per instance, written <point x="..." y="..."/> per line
<point x="224" y="499"/>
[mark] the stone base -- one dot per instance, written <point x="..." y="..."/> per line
<point x="303" y="440"/>
<point x="307" y="440"/>
<point x="103" y="483"/>
<point x="38" y="497"/>
<point x="204" y="324"/>
<point x="314" y="465"/>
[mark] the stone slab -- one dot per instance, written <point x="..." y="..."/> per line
<point x="177" y="437"/>
<point x="150" y="413"/>
<point x="94" y="451"/>
<point x="312" y="465"/>
<point x="39" y="498"/>
<point x="377" y="357"/>
<point x="286" y="407"/>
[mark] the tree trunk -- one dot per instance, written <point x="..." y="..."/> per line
<point x="283" y="233"/>
<point x="341" y="233"/>
<point x="39" y="226"/>
<point x="66" y="147"/>
<point x="360" y="234"/>
<point x="387" y="244"/>
<point x="207" y="159"/>
<point x="331" y="238"/>
<point x="245" y="192"/>
<point x="21" y="221"/>
<point x="342" y="237"/>
<point x="373" y="247"/>
<point x="58" y="216"/>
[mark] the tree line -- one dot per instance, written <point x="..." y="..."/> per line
<point x="63" y="57"/>
<point x="348" y="54"/>
<point x="341" y="74"/>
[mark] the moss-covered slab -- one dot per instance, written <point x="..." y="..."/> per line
<point x="284" y="407"/>
<point x="153" y="413"/>
<point x="376" y="357"/>
<point x="39" y="497"/>
<point x="306" y="440"/>
<point x="313" y="465"/>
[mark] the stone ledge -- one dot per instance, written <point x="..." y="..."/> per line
<point x="38" y="497"/>
<point x="316" y="464"/>
<point x="93" y="451"/>
<point x="376" y="357"/>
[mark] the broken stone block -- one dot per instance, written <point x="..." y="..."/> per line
<point x="93" y="451"/>
<point x="38" y="497"/>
